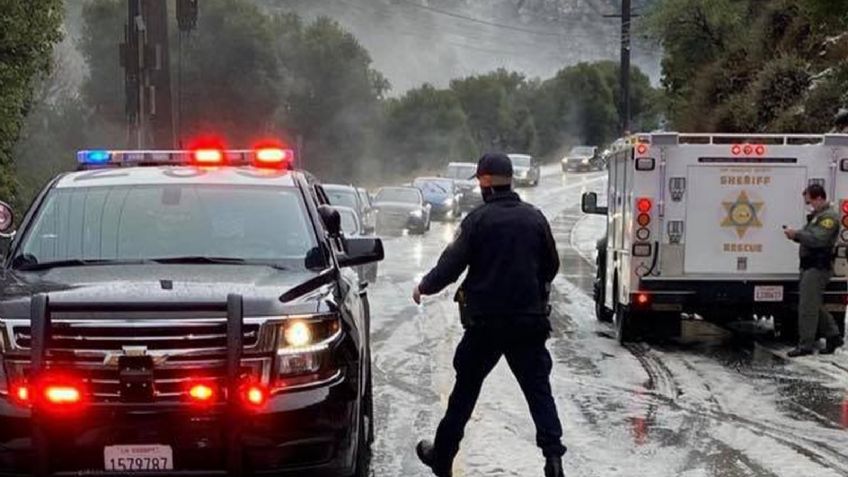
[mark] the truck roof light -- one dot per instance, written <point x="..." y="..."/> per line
<point x="760" y="150"/>
<point x="643" y="205"/>
<point x="736" y="150"/>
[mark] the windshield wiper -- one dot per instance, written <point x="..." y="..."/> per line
<point x="207" y="260"/>
<point x="75" y="262"/>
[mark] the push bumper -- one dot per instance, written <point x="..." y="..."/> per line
<point x="310" y="431"/>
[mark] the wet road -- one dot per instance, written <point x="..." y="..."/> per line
<point x="714" y="404"/>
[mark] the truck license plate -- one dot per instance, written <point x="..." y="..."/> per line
<point x="768" y="293"/>
<point x="138" y="458"/>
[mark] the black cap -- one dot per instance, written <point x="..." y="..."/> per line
<point x="494" y="164"/>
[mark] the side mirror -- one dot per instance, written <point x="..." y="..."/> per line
<point x="589" y="204"/>
<point x="7" y="221"/>
<point x="332" y="220"/>
<point x="362" y="251"/>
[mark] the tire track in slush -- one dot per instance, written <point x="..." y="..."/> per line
<point x="663" y="388"/>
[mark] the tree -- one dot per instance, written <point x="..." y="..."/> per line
<point x="426" y="128"/>
<point x="331" y="95"/>
<point x="497" y="106"/>
<point x="28" y="31"/>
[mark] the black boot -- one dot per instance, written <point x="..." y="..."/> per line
<point x="831" y="344"/>
<point x="553" y="467"/>
<point x="799" y="351"/>
<point x="425" y="452"/>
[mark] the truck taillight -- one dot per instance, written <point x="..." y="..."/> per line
<point x="20" y="394"/>
<point x="644" y="204"/>
<point x="254" y="395"/>
<point x="642" y="149"/>
<point x="845" y="207"/>
<point x="201" y="393"/>
<point x="62" y="394"/>
<point x="643" y="220"/>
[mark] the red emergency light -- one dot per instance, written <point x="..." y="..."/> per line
<point x="254" y="395"/>
<point x="201" y="393"/>
<point x="62" y="394"/>
<point x="208" y="156"/>
<point x="273" y="157"/>
<point x="644" y="205"/>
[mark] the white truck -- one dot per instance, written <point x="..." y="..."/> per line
<point x="694" y="226"/>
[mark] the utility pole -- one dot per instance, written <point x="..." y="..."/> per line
<point x="146" y="61"/>
<point x="624" y="109"/>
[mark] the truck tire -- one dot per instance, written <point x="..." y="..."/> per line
<point x="602" y="313"/>
<point x="625" y="331"/>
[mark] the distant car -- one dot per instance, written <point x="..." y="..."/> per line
<point x="400" y="208"/>
<point x="582" y="158"/>
<point x="351" y="227"/>
<point x="348" y="196"/>
<point x="369" y="214"/>
<point x="441" y="195"/>
<point x="525" y="170"/>
<point x="464" y="175"/>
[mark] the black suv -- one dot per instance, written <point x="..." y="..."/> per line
<point x="184" y="313"/>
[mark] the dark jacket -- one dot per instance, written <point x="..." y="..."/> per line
<point x="511" y="257"/>
<point x="818" y="238"/>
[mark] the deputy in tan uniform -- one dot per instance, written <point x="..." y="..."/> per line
<point x="817" y="240"/>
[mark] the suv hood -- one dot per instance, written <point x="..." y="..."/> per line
<point x="260" y="286"/>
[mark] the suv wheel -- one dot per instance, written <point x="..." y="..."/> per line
<point x="366" y="435"/>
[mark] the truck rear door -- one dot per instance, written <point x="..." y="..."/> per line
<point x="735" y="213"/>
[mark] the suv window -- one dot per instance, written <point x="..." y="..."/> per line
<point x="169" y="221"/>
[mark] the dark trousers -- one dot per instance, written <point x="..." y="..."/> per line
<point x="476" y="356"/>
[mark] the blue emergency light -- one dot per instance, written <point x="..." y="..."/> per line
<point x="93" y="157"/>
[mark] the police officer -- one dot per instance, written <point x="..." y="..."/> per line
<point x="511" y="257"/>
<point x="816" y="252"/>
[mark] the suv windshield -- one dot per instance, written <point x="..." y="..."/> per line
<point x="150" y="222"/>
<point x="521" y="161"/>
<point x="342" y="197"/>
<point x="463" y="173"/>
<point x="399" y="195"/>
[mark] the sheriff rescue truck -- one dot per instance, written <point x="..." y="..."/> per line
<point x="695" y="228"/>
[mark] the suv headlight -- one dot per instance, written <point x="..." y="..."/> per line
<point x="303" y="345"/>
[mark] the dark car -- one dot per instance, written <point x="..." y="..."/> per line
<point x="349" y="196"/>
<point x="401" y="208"/>
<point x="582" y="158"/>
<point x="464" y="175"/>
<point x="351" y="227"/>
<point x="159" y="316"/>
<point x="526" y="170"/>
<point x="441" y="195"/>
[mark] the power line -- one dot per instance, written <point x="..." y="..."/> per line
<point x="488" y="22"/>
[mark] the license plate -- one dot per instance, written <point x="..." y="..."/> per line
<point x="138" y="458"/>
<point x="768" y="293"/>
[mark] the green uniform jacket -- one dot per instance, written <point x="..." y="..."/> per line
<point x="818" y="238"/>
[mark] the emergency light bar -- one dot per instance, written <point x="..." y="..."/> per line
<point x="269" y="157"/>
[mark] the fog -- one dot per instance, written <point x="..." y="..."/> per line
<point x="420" y="41"/>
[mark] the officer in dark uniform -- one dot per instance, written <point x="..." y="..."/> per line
<point x="511" y="257"/>
<point x="817" y="240"/>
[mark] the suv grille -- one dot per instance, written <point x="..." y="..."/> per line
<point x="182" y="350"/>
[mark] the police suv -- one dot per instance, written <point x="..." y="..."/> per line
<point x="694" y="225"/>
<point x="184" y="313"/>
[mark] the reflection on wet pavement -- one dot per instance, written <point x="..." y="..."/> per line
<point x="715" y="403"/>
